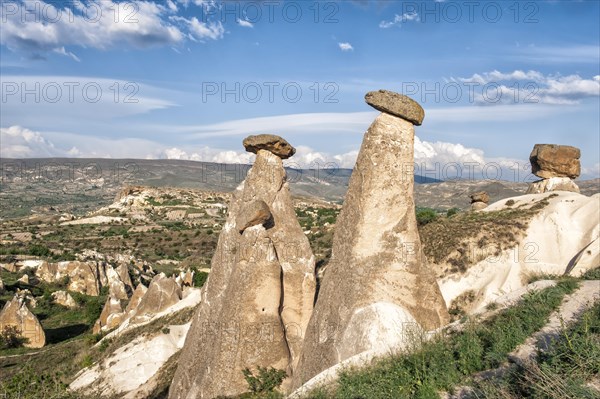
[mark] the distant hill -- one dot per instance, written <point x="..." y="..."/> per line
<point x="77" y="185"/>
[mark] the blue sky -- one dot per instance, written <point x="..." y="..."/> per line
<point x="189" y="79"/>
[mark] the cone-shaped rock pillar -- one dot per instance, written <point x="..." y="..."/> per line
<point x="258" y="298"/>
<point x="377" y="284"/>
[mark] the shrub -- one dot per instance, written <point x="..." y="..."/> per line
<point x="105" y="344"/>
<point x="199" y="277"/>
<point x="426" y="215"/>
<point x="267" y="379"/>
<point x="451" y="212"/>
<point x="10" y="337"/>
<point x="39" y="250"/>
<point x="87" y="361"/>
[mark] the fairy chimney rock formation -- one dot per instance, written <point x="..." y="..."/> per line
<point x="258" y="298"/>
<point x="479" y="200"/>
<point x="557" y="165"/>
<point x="15" y="313"/>
<point x="377" y="281"/>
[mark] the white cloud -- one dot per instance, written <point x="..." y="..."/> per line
<point x="573" y="53"/>
<point x="346" y="46"/>
<point x="62" y="51"/>
<point x="171" y="5"/>
<point x="199" y="30"/>
<point x="100" y="24"/>
<point x="532" y="87"/>
<point x="400" y="19"/>
<point x="442" y="160"/>
<point x="284" y="124"/>
<point x="245" y="23"/>
<point x="18" y="142"/>
<point x="207" y="154"/>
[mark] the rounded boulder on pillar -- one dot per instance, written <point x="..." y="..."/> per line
<point x="553" y="160"/>
<point x="274" y="144"/>
<point x="396" y="104"/>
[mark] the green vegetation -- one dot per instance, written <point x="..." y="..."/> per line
<point x="445" y="361"/>
<point x="264" y="384"/>
<point x="562" y="371"/>
<point x="451" y="212"/>
<point x="426" y="215"/>
<point x="592" y="274"/>
<point x="10" y="337"/>
<point x="199" y="277"/>
<point x="468" y="237"/>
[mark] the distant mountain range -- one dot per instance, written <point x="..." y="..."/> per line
<point x="77" y="185"/>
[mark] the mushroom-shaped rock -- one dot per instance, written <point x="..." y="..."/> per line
<point x="270" y="142"/>
<point x="258" y="299"/>
<point x="15" y="313"/>
<point x="480" y="196"/>
<point x="552" y="160"/>
<point x="378" y="279"/>
<point x="253" y="213"/>
<point x="396" y="104"/>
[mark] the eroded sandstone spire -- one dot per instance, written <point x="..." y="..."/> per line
<point x="258" y="298"/>
<point x="377" y="285"/>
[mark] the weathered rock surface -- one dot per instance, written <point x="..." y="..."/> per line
<point x="396" y="104"/>
<point x="188" y="278"/>
<point x="552" y="184"/>
<point x="130" y="371"/>
<point x="111" y="316"/>
<point x="116" y="288"/>
<point x="162" y="293"/>
<point x="377" y="280"/>
<point x="123" y="272"/>
<point x="270" y="142"/>
<point x="136" y="298"/>
<point x="254" y="213"/>
<point x="185" y="279"/>
<point x="64" y="298"/>
<point x="258" y="298"/>
<point x="15" y="313"/>
<point x="561" y="239"/>
<point x="84" y="277"/>
<point x="26" y="296"/>
<point x="24" y="279"/>
<point x="552" y="160"/>
<point x="480" y="196"/>
<point x="477" y="206"/>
